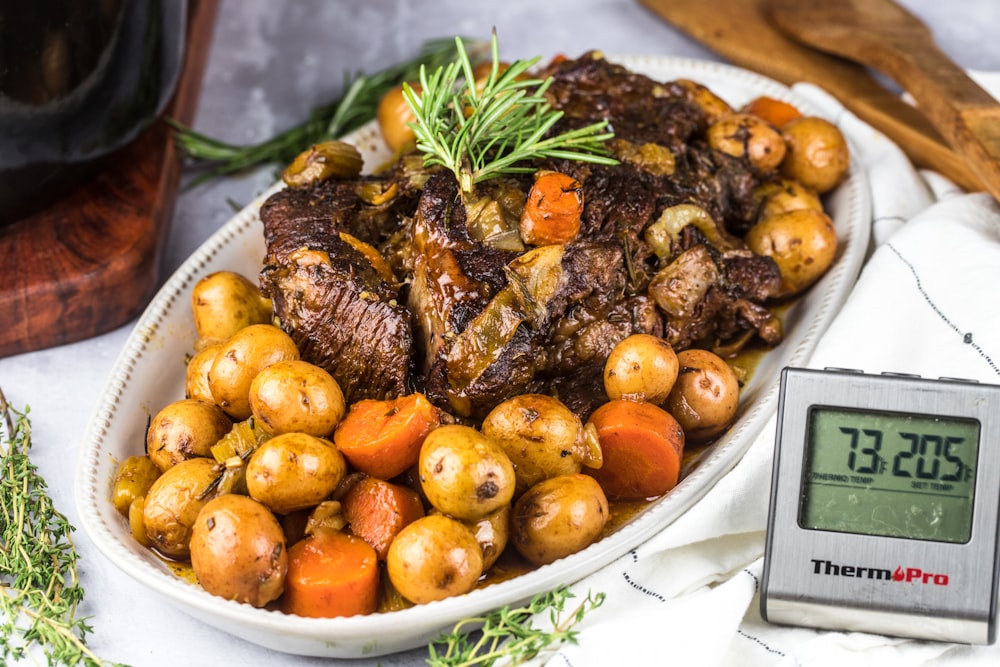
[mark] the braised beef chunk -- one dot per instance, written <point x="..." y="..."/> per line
<point x="401" y="283"/>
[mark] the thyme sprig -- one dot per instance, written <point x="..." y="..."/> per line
<point x="356" y="106"/>
<point x="39" y="588"/>
<point x="481" y="130"/>
<point x="510" y="634"/>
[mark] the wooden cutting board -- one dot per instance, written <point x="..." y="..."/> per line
<point x="740" y="31"/>
<point x="90" y="261"/>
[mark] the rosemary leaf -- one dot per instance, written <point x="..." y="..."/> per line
<point x="356" y="106"/>
<point x="39" y="589"/>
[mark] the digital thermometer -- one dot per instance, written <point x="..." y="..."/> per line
<point x="885" y="501"/>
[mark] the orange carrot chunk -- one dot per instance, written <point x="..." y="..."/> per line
<point x="377" y="510"/>
<point x="774" y="111"/>
<point x="383" y="438"/>
<point x="331" y="574"/>
<point x="553" y="210"/>
<point x="642" y="446"/>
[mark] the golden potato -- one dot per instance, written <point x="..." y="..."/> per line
<point x="541" y="437"/>
<point x="296" y="395"/>
<point x="706" y="395"/>
<point x="185" y="429"/>
<point x="558" y="517"/>
<point x="173" y="502"/>
<point x="434" y="558"/>
<point x="817" y="154"/>
<point x="132" y="480"/>
<point x="224" y="302"/>
<point x="492" y="532"/>
<point x="463" y="473"/>
<point x="248" y="352"/>
<point x="238" y="550"/>
<point x="745" y="136"/>
<point x="393" y="114"/>
<point x="803" y="243"/>
<point x="714" y="106"/>
<point x="641" y="367"/>
<point x="784" y="195"/>
<point x="293" y="471"/>
<point x="196" y="374"/>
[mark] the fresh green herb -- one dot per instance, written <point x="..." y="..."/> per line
<point x="509" y="633"/>
<point x="39" y="589"/>
<point x="481" y="130"/>
<point x="356" y="106"/>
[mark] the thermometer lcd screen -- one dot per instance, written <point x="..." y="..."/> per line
<point x="889" y="473"/>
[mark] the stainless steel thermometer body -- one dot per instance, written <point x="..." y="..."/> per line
<point x="885" y="496"/>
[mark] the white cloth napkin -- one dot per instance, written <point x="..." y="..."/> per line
<point x="923" y="304"/>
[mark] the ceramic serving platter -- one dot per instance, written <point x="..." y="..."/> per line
<point x="149" y="373"/>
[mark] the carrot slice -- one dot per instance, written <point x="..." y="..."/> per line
<point x="553" y="210"/>
<point x="377" y="510"/>
<point x="331" y="574"/>
<point x="383" y="438"/>
<point x="774" y="111"/>
<point x="642" y="446"/>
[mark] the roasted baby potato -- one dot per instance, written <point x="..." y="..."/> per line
<point x="541" y="437"/>
<point x="641" y="367"/>
<point x="185" y="429"/>
<point x="238" y="550"/>
<point x="196" y="374"/>
<point x="173" y="502"/>
<point x="463" y="473"/>
<point x="296" y="395"/>
<point x="749" y="137"/>
<point x="558" y="517"/>
<point x="293" y="471"/>
<point x="224" y="302"/>
<point x="433" y="558"/>
<point x="803" y="243"/>
<point x="817" y="154"/>
<point x="248" y="352"/>
<point x="134" y="477"/>
<point x="706" y="395"/>
<point x="784" y="195"/>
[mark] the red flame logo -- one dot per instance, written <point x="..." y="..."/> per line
<point x="898" y="575"/>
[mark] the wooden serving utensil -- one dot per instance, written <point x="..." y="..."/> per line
<point x="886" y="37"/>
<point x="741" y="32"/>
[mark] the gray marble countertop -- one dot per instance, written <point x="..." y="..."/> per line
<point x="271" y="62"/>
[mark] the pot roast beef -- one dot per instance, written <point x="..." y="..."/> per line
<point x="402" y="292"/>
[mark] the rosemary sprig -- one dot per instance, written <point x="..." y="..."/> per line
<point x="509" y="633"/>
<point x="355" y="107"/>
<point x="483" y="132"/>
<point x="39" y="589"/>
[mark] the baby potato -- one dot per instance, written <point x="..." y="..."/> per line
<point x="784" y="195"/>
<point x="714" y="106"/>
<point x="173" y="502"/>
<point x="434" y="558"/>
<point x="492" y="532"/>
<point x="185" y="429"/>
<point x="541" y="437"/>
<point x="296" y="395"/>
<point x="463" y="473"/>
<point x="558" y="517"/>
<point x="196" y="373"/>
<point x="393" y="114"/>
<point x="744" y="136"/>
<point x="224" y="302"/>
<point x="803" y="243"/>
<point x="132" y="480"/>
<point x="705" y="397"/>
<point x="238" y="550"/>
<point x="248" y="352"/>
<point x="293" y="471"/>
<point x="641" y="367"/>
<point x="817" y="154"/>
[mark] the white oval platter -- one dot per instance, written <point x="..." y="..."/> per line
<point x="149" y="373"/>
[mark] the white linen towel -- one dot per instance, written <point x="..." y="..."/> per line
<point x="923" y="304"/>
